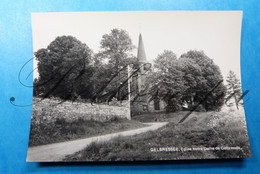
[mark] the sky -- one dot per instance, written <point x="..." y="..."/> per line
<point x="217" y="33"/>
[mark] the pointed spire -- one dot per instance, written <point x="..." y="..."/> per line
<point x="141" y="57"/>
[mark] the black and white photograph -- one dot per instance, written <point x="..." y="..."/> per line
<point x="137" y="86"/>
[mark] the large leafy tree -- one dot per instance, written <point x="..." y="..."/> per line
<point x="205" y="83"/>
<point x="166" y="81"/>
<point x="233" y="88"/>
<point x="192" y="77"/>
<point x="115" y="55"/>
<point x="64" y="67"/>
<point x="116" y="47"/>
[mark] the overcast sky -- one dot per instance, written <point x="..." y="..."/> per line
<point x="217" y="33"/>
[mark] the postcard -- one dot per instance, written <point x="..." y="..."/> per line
<point x="137" y="86"/>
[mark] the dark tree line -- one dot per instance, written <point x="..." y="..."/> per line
<point x="188" y="80"/>
<point x="68" y="68"/>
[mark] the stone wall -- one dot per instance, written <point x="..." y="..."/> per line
<point x="51" y="109"/>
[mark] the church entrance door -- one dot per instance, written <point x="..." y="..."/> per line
<point x="156" y="104"/>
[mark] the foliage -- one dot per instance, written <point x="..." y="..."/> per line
<point x="233" y="88"/>
<point x="111" y="63"/>
<point x="209" y="91"/>
<point x="167" y="80"/>
<point x="69" y="70"/>
<point x="116" y="47"/>
<point x="62" y="66"/>
<point x="193" y="79"/>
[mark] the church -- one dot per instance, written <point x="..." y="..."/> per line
<point x="140" y="100"/>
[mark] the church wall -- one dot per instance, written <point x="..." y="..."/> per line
<point x="138" y="108"/>
<point x="152" y="109"/>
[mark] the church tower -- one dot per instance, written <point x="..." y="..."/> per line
<point x="139" y="94"/>
<point x="141" y="101"/>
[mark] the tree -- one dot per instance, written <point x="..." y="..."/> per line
<point x="166" y="82"/>
<point x="192" y="79"/>
<point x="233" y="88"/>
<point x="204" y="81"/>
<point x="116" y="47"/>
<point x="192" y="76"/>
<point x="63" y="66"/>
<point x="109" y="83"/>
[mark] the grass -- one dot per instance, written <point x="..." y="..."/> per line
<point x="200" y="129"/>
<point x="53" y="121"/>
<point x="61" y="130"/>
<point x="160" y="117"/>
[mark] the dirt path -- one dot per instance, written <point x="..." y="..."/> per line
<point x="57" y="151"/>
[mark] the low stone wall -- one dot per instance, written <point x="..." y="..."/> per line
<point x="51" y="109"/>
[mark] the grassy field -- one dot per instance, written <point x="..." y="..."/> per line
<point x="174" y="117"/>
<point x="61" y="130"/>
<point x="220" y="134"/>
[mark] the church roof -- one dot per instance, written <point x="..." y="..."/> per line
<point x="141" y="57"/>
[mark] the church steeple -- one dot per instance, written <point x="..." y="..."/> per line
<point x="141" y="57"/>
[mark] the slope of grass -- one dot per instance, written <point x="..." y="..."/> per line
<point x="201" y="130"/>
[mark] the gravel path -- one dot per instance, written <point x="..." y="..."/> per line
<point x="57" y="151"/>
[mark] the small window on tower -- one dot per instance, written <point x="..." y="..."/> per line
<point x="147" y="66"/>
<point x="145" y="108"/>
